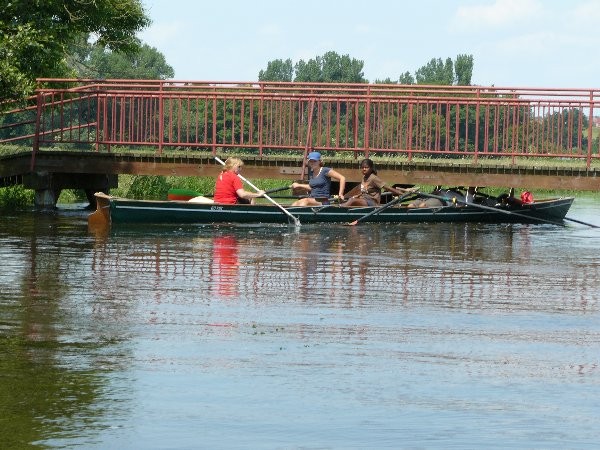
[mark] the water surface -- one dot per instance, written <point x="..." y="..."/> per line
<point x="374" y="336"/>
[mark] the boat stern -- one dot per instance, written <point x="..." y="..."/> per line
<point x="100" y="219"/>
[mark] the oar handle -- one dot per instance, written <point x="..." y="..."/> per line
<point x="278" y="189"/>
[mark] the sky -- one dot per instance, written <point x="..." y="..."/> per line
<point x="514" y="43"/>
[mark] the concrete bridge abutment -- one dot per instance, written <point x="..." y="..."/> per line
<point x="49" y="185"/>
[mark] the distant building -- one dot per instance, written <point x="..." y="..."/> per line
<point x="596" y="121"/>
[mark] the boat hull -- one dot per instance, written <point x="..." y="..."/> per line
<point x="180" y="212"/>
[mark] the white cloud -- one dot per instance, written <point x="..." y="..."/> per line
<point x="498" y="14"/>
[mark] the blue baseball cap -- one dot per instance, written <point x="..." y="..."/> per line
<point x="314" y="156"/>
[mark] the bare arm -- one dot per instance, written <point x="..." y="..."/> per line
<point x="341" y="178"/>
<point x="241" y="193"/>
<point x="301" y="189"/>
<point x="400" y="191"/>
<point x="301" y="186"/>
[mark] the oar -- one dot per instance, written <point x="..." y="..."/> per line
<point x="382" y="208"/>
<point x="582" y="222"/>
<point x="286" y="212"/>
<point x="489" y="208"/>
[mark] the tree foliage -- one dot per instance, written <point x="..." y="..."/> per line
<point x="341" y="69"/>
<point x="443" y="73"/>
<point x="406" y="78"/>
<point x="463" y="70"/>
<point x="436" y="72"/>
<point x="36" y="36"/>
<point x="100" y="62"/>
<point x="277" y="70"/>
<point x="329" y="68"/>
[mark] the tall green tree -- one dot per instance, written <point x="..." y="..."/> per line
<point x="406" y="78"/>
<point x="37" y="35"/>
<point x="277" y="70"/>
<point x="342" y="69"/>
<point x="463" y="70"/>
<point x="443" y="73"/>
<point x="436" y="72"/>
<point x="146" y="64"/>
<point x="309" y="71"/>
<point x="329" y="68"/>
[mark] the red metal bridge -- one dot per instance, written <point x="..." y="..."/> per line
<point x="505" y="136"/>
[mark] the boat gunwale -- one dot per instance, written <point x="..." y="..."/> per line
<point x="536" y="212"/>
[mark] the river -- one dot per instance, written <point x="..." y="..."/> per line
<point x="374" y="336"/>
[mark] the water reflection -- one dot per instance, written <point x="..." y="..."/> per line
<point x="453" y="266"/>
<point x="94" y="325"/>
<point x="45" y="364"/>
<point x="224" y="266"/>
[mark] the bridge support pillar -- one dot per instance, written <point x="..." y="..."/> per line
<point x="46" y="198"/>
<point x="48" y="186"/>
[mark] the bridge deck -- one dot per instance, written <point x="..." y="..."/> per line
<point x="17" y="167"/>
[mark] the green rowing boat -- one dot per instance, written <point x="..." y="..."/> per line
<point x="114" y="210"/>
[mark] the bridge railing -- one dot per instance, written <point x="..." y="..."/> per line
<point x="467" y="122"/>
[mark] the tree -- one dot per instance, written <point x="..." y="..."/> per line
<point x="442" y="73"/>
<point x="406" y="78"/>
<point x="387" y="80"/>
<point x="310" y="71"/>
<point x="277" y="70"/>
<point x="463" y="70"/>
<point x="35" y="41"/>
<point x="342" y="69"/>
<point x="436" y="72"/>
<point x="146" y="64"/>
<point x="329" y="68"/>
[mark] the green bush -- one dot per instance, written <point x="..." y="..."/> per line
<point x="148" y="187"/>
<point x="72" y="196"/>
<point x="15" y="197"/>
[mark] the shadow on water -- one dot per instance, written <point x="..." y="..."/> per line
<point x="52" y="374"/>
